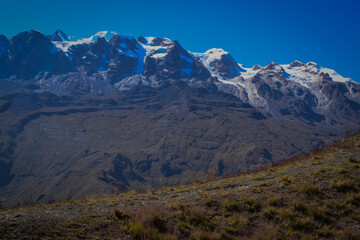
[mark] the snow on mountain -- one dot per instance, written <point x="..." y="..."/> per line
<point x="66" y="44"/>
<point x="309" y="72"/>
<point x="220" y="63"/>
<point x="158" y="47"/>
<point x="334" y="75"/>
<point x="155" y="47"/>
<point x="108" y="62"/>
<point x="105" y="34"/>
<point x="209" y="56"/>
<point x="249" y="72"/>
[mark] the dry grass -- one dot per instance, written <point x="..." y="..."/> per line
<point x="312" y="196"/>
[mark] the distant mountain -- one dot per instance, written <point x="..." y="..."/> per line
<point x="108" y="62"/>
<point x="59" y="36"/>
<point x="80" y="117"/>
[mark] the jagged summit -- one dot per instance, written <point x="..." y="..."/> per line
<point x="220" y="63"/>
<point x="59" y="36"/>
<point x="216" y="52"/>
<point x="103" y="34"/>
<point x="256" y="67"/>
<point x="157" y="41"/>
<point x="4" y="43"/>
<point x="296" y="63"/>
<point x="272" y="66"/>
<point x="109" y="62"/>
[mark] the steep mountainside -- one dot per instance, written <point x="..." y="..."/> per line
<point x="112" y="112"/>
<point x="61" y="148"/>
<point x="314" y="196"/>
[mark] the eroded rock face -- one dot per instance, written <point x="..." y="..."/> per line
<point x="226" y="67"/>
<point x="30" y="53"/>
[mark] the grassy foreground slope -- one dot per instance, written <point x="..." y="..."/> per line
<point x="312" y="196"/>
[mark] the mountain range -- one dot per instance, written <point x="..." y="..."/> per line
<point x="112" y="112"/>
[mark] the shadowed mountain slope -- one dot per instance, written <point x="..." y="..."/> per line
<point x="63" y="148"/>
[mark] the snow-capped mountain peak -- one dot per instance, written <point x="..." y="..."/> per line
<point x="65" y="44"/>
<point x="216" y="53"/>
<point x="334" y="75"/>
<point x="102" y="34"/>
<point x="210" y="55"/>
<point x="296" y="63"/>
<point x="155" y="47"/>
<point x="107" y="62"/>
<point x="310" y="72"/>
<point x="59" y="36"/>
<point x="157" y="41"/>
<point x="220" y="63"/>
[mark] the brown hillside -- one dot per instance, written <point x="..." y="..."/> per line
<point x="314" y="197"/>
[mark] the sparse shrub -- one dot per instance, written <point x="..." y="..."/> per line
<point x="199" y="181"/>
<point x="148" y="223"/>
<point x="138" y="231"/>
<point x="121" y="215"/>
<point x="319" y="172"/>
<point x="194" y="215"/>
<point x="267" y="232"/>
<point x="302" y="225"/>
<point x="344" y="185"/>
<point x="354" y="160"/>
<point x="201" y="235"/>
<point x="232" y="206"/>
<point x="236" y="224"/>
<point x="252" y="204"/>
<point x="310" y="190"/>
<point x="300" y="206"/>
<point x="275" y="201"/>
<point x="348" y="234"/>
<point x="286" y="180"/>
<point x="354" y="199"/>
<point x="269" y="212"/>
<point x="319" y="214"/>
<point x="335" y="205"/>
<point x="212" y="203"/>
<point x="325" y="232"/>
<point x="286" y="214"/>
<point x="342" y="170"/>
<point x="159" y="223"/>
<point x="184" y="229"/>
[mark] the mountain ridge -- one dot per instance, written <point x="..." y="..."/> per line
<point x="112" y="113"/>
<point x="127" y="63"/>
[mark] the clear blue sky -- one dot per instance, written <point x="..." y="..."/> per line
<point x="253" y="31"/>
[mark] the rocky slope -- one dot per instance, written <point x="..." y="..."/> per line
<point x="111" y="112"/>
<point x="313" y="196"/>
